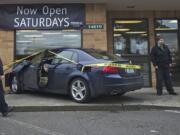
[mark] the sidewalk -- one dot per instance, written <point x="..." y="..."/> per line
<point x="143" y="99"/>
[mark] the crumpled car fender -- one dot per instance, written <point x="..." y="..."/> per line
<point x="15" y="71"/>
<point x="19" y="67"/>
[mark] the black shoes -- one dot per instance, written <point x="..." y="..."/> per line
<point x="5" y="114"/>
<point x="173" y="93"/>
<point x="10" y="109"/>
<point x="170" y="93"/>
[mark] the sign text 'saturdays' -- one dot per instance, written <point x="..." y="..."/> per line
<point x="47" y="21"/>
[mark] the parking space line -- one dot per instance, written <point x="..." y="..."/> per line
<point x="172" y="111"/>
<point x="30" y="126"/>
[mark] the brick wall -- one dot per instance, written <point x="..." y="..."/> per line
<point x="6" y="47"/>
<point x="95" y="14"/>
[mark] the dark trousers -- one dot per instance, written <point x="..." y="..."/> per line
<point x="163" y="74"/>
<point x="3" y="104"/>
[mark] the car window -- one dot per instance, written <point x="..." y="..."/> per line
<point x="75" y="57"/>
<point x="66" y="54"/>
<point x="37" y="59"/>
<point x="84" y="56"/>
<point x="103" y="55"/>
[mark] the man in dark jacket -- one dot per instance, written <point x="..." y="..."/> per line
<point x="4" y="109"/>
<point x="162" y="61"/>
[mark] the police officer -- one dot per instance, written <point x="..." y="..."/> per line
<point x="3" y="105"/>
<point x="162" y="61"/>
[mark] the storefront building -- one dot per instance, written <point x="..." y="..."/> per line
<point x="125" y="28"/>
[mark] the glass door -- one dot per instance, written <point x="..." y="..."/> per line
<point x="131" y="42"/>
<point x="168" y="29"/>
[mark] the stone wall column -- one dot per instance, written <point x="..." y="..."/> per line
<point x="95" y="38"/>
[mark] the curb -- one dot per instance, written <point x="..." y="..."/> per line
<point x="93" y="108"/>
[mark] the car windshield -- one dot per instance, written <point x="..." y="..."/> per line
<point x="98" y="54"/>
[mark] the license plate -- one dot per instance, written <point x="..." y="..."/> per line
<point x="130" y="71"/>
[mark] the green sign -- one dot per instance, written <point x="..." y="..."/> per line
<point x="94" y="26"/>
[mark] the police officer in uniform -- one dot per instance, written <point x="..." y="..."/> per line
<point x="4" y="109"/>
<point x="162" y="61"/>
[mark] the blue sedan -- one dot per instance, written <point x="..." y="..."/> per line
<point x="49" y="73"/>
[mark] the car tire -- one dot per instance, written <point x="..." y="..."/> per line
<point x="79" y="90"/>
<point x="14" y="86"/>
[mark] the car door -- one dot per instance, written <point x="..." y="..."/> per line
<point x="31" y="77"/>
<point x="59" y="71"/>
<point x="31" y="74"/>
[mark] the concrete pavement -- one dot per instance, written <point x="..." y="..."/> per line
<point x="143" y="99"/>
<point x="92" y="123"/>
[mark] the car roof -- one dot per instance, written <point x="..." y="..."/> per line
<point x="61" y="49"/>
<point x="77" y="50"/>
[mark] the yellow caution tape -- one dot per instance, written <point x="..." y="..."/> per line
<point x="8" y="66"/>
<point x="124" y="66"/>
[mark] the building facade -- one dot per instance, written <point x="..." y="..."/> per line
<point x="118" y="27"/>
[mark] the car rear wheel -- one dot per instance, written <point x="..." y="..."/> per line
<point x="79" y="90"/>
<point x="15" y="85"/>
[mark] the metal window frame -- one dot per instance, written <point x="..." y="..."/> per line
<point x="145" y="56"/>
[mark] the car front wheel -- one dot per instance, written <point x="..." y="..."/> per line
<point x="79" y="90"/>
<point x="15" y="85"/>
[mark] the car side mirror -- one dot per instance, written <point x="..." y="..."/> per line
<point x="79" y="66"/>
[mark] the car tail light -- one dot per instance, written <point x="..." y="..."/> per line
<point x="111" y="70"/>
